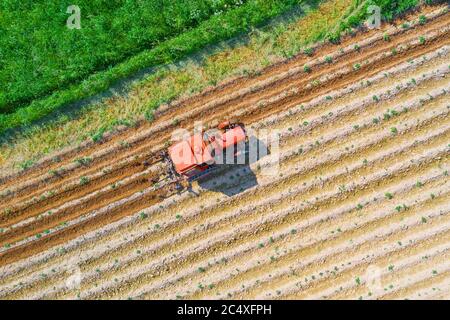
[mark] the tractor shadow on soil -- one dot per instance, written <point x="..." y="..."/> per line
<point x="234" y="178"/>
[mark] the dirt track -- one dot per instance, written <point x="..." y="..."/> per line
<point x="311" y="231"/>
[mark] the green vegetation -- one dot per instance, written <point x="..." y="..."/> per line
<point x="83" y="161"/>
<point x="401" y="207"/>
<point x="200" y="269"/>
<point x="116" y="40"/>
<point x="84" y="180"/>
<point x="143" y="215"/>
<point x="308" y="51"/>
<point x="389" y="10"/>
<point x="388" y="195"/>
<point x="26" y="164"/>
<point x="422" y="19"/>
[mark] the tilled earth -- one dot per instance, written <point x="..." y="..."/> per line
<point x="357" y="208"/>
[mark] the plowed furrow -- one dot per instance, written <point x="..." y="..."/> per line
<point x="157" y="292"/>
<point x="287" y="232"/>
<point x="44" y="220"/>
<point x="354" y="264"/>
<point x="412" y="256"/>
<point x="245" y="236"/>
<point x="427" y="291"/>
<point x="411" y="272"/>
<point x="142" y="180"/>
<point x="366" y="265"/>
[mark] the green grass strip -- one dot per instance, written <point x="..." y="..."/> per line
<point x="216" y="29"/>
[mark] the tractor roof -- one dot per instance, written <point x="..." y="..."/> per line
<point x="189" y="153"/>
<point x="232" y="137"/>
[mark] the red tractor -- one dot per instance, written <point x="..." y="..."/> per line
<point x="194" y="157"/>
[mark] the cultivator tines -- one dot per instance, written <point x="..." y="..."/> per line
<point x="171" y="173"/>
